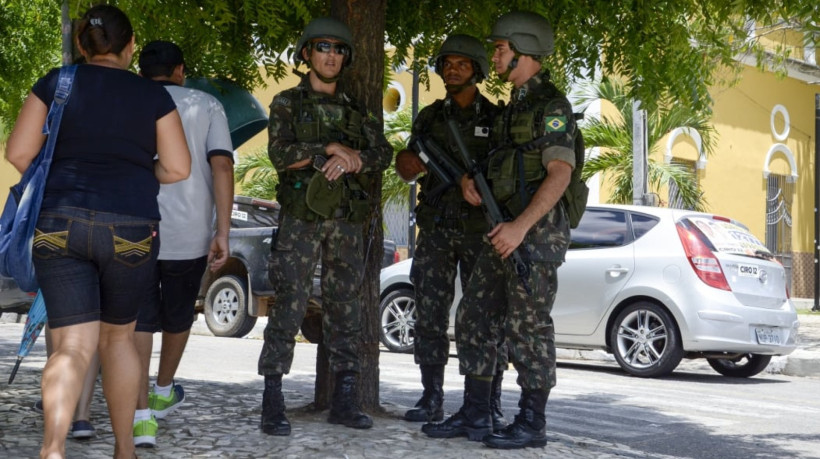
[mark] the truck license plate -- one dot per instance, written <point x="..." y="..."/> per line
<point x="239" y="215"/>
<point x="766" y="335"/>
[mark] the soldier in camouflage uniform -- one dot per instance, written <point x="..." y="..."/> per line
<point x="451" y="231"/>
<point x="537" y="111"/>
<point x="323" y="146"/>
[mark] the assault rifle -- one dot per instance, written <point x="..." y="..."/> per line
<point x="519" y="257"/>
<point x="437" y="162"/>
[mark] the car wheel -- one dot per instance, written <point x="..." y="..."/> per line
<point x="742" y="366"/>
<point x="226" y="313"/>
<point x="397" y="319"/>
<point x="646" y="341"/>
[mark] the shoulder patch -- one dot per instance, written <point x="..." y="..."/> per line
<point x="281" y="100"/>
<point x="553" y="123"/>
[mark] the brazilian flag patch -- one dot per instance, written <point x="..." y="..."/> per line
<point x="555" y="124"/>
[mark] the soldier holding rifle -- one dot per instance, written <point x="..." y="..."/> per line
<point x="450" y="231"/>
<point x="528" y="173"/>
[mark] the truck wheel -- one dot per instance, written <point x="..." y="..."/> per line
<point x="226" y="313"/>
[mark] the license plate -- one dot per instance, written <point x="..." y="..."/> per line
<point x="766" y="335"/>
<point x="239" y="215"/>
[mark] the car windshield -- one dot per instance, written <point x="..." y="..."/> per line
<point x="729" y="237"/>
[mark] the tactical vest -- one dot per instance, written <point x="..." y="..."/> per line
<point x="449" y="209"/>
<point x="516" y="173"/>
<point x="305" y="193"/>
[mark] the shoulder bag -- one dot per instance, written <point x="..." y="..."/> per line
<point x="19" y="217"/>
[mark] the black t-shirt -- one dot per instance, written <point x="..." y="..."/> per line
<point x="104" y="156"/>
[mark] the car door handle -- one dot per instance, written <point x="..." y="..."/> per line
<point x="617" y="271"/>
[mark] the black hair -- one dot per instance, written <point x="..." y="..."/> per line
<point x="104" y="29"/>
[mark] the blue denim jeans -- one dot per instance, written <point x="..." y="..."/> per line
<point x="94" y="265"/>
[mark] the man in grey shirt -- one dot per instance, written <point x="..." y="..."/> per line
<point x="188" y="243"/>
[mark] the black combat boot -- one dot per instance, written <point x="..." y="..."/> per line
<point x="529" y="427"/>
<point x="274" y="421"/>
<point x="428" y="408"/>
<point x="344" y="408"/>
<point x="495" y="403"/>
<point x="473" y="419"/>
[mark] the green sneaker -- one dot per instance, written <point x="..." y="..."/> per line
<point x="145" y="433"/>
<point x="163" y="406"/>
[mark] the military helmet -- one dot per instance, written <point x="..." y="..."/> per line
<point x="467" y="46"/>
<point x="529" y="33"/>
<point x="325" y="27"/>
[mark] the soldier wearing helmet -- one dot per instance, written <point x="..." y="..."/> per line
<point x="531" y="166"/>
<point x="450" y="230"/>
<point x="325" y="148"/>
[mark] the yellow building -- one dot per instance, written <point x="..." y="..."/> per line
<point x="762" y="172"/>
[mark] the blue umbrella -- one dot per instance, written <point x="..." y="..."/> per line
<point x="34" y="324"/>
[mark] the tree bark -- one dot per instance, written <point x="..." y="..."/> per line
<point x="364" y="80"/>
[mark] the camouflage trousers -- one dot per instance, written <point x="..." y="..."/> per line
<point x="295" y="250"/>
<point x="440" y="254"/>
<point x="495" y="299"/>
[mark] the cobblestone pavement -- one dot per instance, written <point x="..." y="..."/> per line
<point x="225" y="423"/>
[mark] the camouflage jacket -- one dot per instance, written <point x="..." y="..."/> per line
<point x="537" y="111"/>
<point x="475" y="122"/>
<point x="303" y="121"/>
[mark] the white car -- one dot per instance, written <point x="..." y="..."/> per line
<point x="651" y="286"/>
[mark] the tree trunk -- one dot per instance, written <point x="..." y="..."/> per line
<point x="364" y="80"/>
<point x="65" y="28"/>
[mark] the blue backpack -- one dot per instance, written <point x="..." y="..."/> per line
<point x="22" y="208"/>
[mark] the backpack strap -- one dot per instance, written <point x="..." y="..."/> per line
<point x="55" y="112"/>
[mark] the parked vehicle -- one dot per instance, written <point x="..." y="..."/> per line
<point x="651" y="286"/>
<point x="229" y="306"/>
<point x="12" y="299"/>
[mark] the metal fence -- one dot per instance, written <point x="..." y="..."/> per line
<point x="397" y="224"/>
<point x="779" y="192"/>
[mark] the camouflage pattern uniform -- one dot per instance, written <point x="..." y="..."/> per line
<point x="494" y="294"/>
<point x="302" y="122"/>
<point x="451" y="231"/>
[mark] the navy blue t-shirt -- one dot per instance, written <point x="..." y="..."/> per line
<point x="104" y="156"/>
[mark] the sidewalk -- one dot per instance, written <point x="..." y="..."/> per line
<point x="224" y="424"/>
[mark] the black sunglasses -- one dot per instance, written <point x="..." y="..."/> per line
<point x="326" y="46"/>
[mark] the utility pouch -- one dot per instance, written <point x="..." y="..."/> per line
<point x="307" y="130"/>
<point x="575" y="201"/>
<point x="323" y="197"/>
<point x="358" y="201"/>
<point x="501" y="173"/>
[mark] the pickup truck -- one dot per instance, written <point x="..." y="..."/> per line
<point x="230" y="308"/>
<point x="12" y="299"/>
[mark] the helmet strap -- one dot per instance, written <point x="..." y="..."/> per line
<point x="457" y="88"/>
<point x="511" y="66"/>
<point x="327" y="80"/>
